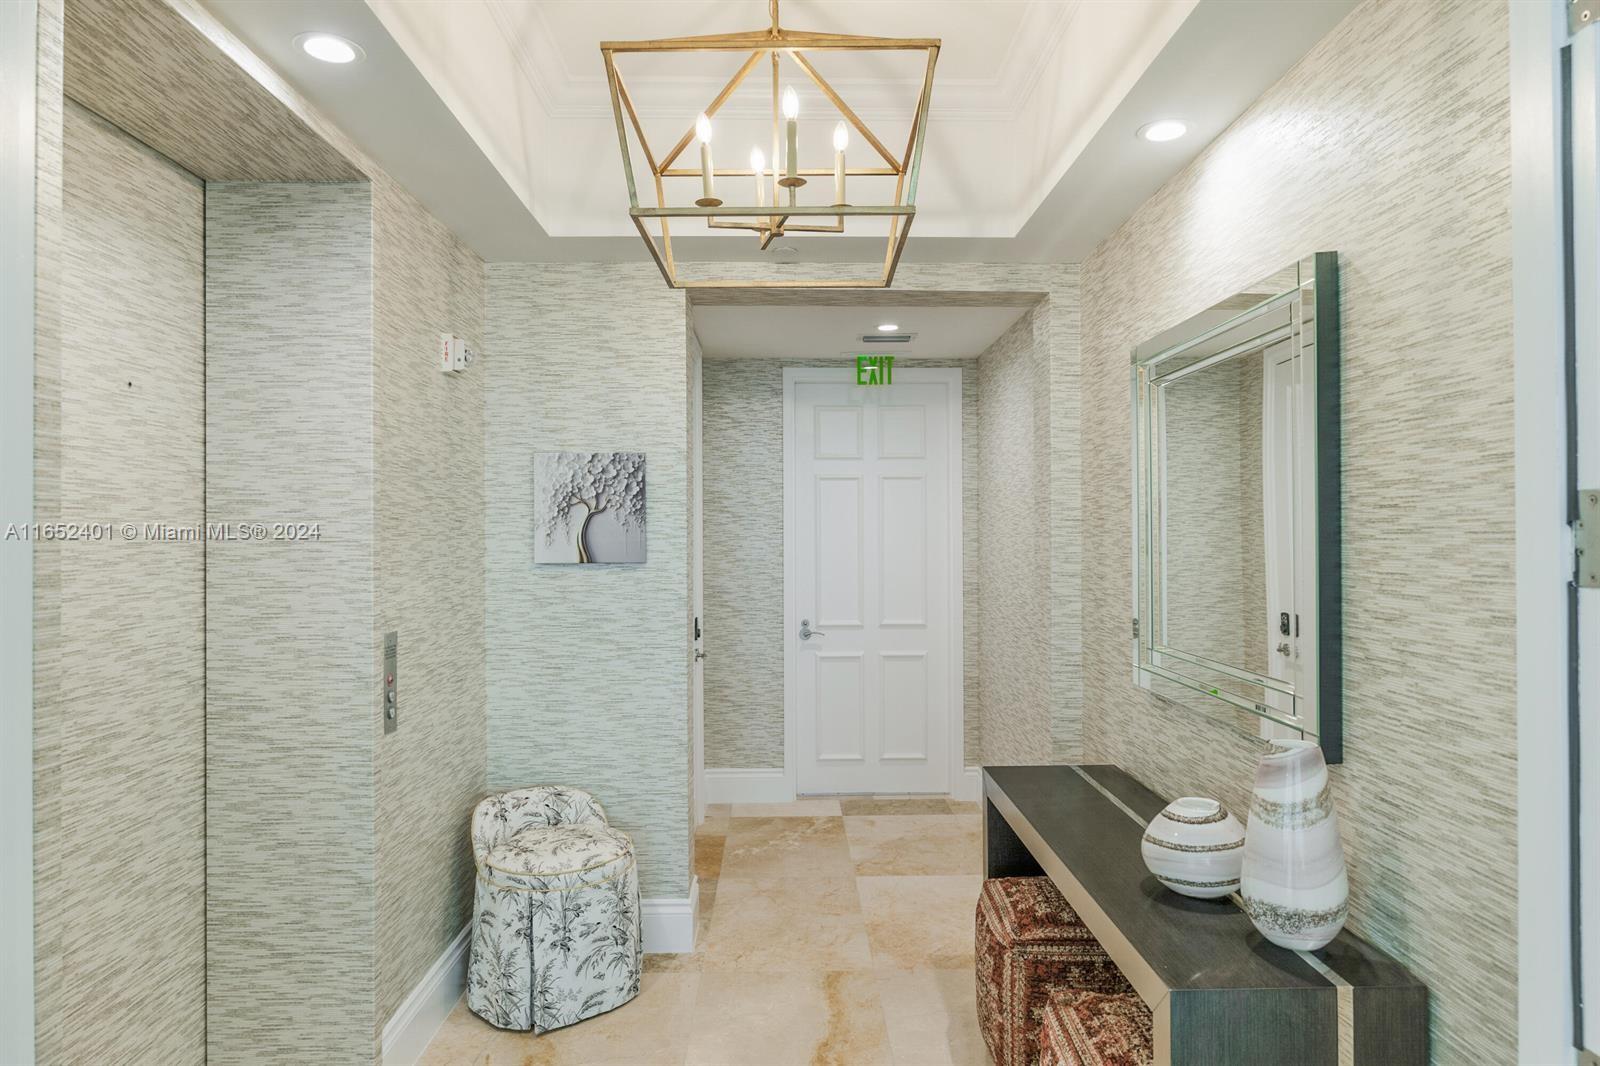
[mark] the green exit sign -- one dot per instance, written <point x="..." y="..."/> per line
<point x="874" y="370"/>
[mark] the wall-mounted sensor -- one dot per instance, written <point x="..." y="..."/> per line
<point x="454" y="353"/>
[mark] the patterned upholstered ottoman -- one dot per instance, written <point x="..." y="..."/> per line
<point x="1093" y="1029"/>
<point x="1030" y="943"/>
<point x="556" y="934"/>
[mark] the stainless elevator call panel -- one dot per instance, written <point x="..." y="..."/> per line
<point x="391" y="705"/>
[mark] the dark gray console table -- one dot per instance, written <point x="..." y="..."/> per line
<point x="1221" y="994"/>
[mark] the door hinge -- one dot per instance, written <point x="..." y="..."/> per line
<point x="1135" y="629"/>
<point x="1586" y="539"/>
<point x="1582" y="14"/>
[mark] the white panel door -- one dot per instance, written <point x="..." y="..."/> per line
<point x="870" y="596"/>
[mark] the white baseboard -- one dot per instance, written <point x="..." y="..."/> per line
<point x="420" y="1015"/>
<point x="969" y="786"/>
<point x="747" y="786"/>
<point x="669" y="923"/>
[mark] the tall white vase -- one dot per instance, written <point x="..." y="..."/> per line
<point x="1293" y="882"/>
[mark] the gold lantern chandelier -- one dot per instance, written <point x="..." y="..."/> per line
<point x="785" y="197"/>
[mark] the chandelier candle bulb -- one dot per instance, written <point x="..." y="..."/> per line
<point x="841" y="141"/>
<point x="702" y="129"/>
<point x="791" y="112"/>
<point x="758" y="163"/>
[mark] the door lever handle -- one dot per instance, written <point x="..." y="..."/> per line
<point x="806" y="632"/>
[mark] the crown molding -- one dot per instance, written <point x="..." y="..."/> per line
<point x="570" y="96"/>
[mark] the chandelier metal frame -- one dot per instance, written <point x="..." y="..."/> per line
<point x="771" y="220"/>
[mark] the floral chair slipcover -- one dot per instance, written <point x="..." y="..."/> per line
<point x="556" y="932"/>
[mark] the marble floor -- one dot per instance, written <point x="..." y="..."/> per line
<point x="834" y="932"/>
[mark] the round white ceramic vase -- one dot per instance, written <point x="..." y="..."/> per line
<point x="1294" y="884"/>
<point x="1195" y="847"/>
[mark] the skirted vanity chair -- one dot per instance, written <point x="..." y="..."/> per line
<point x="556" y="928"/>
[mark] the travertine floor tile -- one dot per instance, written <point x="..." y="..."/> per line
<point x="758" y="848"/>
<point x="708" y="856"/>
<point x="652" y="1029"/>
<point x="912" y="845"/>
<point x="787" y="924"/>
<point x="788" y="1019"/>
<point x="716" y="820"/>
<point x="801" y="808"/>
<point x="463" y="1040"/>
<point x="894" y="805"/>
<point x="920" y="922"/>
<point x="798" y="959"/>
<point x="932" y="1017"/>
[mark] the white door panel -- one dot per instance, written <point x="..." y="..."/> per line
<point x="871" y="479"/>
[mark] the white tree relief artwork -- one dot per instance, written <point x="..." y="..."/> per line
<point x="588" y="507"/>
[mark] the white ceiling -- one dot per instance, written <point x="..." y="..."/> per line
<point x="810" y="332"/>
<point x="1020" y="84"/>
<point x="495" y="112"/>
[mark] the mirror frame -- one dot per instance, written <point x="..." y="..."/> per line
<point x="1312" y="302"/>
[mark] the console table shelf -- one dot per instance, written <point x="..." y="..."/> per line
<point x="1219" y="991"/>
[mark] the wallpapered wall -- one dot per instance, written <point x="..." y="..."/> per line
<point x="290" y="678"/>
<point x="1398" y="160"/>
<point x="120" y="765"/>
<point x="587" y="674"/>
<point x="743" y="522"/>
<point x="1055" y="403"/>
<point x="326" y="860"/>
<point x="1014" y="556"/>
<point x="428" y="558"/>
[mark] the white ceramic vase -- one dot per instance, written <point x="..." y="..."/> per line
<point x="1293" y="884"/>
<point x="1195" y="847"/>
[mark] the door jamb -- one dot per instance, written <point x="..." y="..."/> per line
<point x="1543" y="542"/>
<point x="952" y="377"/>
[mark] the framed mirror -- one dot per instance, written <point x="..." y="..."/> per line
<point x="1236" y="506"/>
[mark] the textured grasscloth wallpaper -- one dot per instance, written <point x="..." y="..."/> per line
<point x="587" y="676"/>
<point x="51" y="918"/>
<point x="1388" y="143"/>
<point x="742" y="449"/>
<point x="290" y="677"/>
<point x="428" y="556"/>
<point x="1014" y="562"/>
<point x="121" y="854"/>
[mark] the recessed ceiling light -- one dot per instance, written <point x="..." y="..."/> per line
<point x="1167" y="129"/>
<point x="888" y="327"/>
<point x="328" y="47"/>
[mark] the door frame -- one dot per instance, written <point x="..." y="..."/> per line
<point x="1583" y="320"/>
<point x="833" y="375"/>
<point x="1545" y="986"/>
